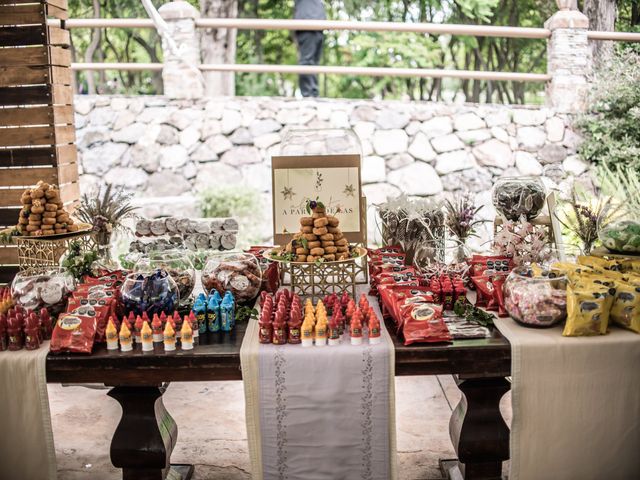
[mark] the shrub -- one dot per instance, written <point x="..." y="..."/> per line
<point x="611" y="129"/>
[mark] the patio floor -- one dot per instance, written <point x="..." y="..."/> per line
<point x="212" y="434"/>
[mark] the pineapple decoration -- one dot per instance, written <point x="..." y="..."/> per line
<point x="320" y="237"/>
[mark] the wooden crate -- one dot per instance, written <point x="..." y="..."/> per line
<point x="37" y="131"/>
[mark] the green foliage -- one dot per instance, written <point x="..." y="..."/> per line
<point x="77" y="262"/>
<point x="611" y="129"/>
<point x="228" y="202"/>
<point x="621" y="183"/>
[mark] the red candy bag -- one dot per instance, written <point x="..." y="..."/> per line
<point x="74" y="333"/>
<point x="423" y="323"/>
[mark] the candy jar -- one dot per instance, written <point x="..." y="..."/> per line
<point x="177" y="264"/>
<point x="535" y="301"/>
<point x="238" y="273"/>
<point x="442" y="257"/>
<point x="514" y="197"/>
<point x="49" y="289"/>
<point x="153" y="292"/>
<point x="620" y="232"/>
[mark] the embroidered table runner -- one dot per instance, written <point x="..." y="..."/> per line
<point x="26" y="440"/>
<point x="320" y="413"/>
<point x="576" y="404"/>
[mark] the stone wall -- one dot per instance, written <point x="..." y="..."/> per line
<point x="157" y="147"/>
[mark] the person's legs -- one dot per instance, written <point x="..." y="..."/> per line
<point x="309" y="51"/>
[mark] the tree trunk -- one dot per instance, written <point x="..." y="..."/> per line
<point x="96" y="33"/>
<point x="602" y="17"/>
<point x="219" y="46"/>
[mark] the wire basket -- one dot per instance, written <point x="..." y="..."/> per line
<point x="37" y="255"/>
<point x="317" y="280"/>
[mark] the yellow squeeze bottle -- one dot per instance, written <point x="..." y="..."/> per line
<point x="146" y="335"/>
<point x="321" y="332"/>
<point x="169" y="338"/>
<point x="306" y="332"/>
<point x="125" y="338"/>
<point x="112" y="336"/>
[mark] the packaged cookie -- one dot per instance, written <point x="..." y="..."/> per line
<point x="588" y="309"/>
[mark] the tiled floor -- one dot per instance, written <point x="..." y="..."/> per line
<point x="212" y="432"/>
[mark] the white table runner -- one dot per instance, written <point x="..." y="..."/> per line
<point x="27" y="451"/>
<point x="320" y="413"/>
<point x="576" y="404"/>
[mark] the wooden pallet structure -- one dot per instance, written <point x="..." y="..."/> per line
<point x="37" y="132"/>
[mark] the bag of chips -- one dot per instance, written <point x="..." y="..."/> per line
<point x="625" y="310"/>
<point x="423" y="323"/>
<point x="74" y="332"/>
<point x="588" y="307"/>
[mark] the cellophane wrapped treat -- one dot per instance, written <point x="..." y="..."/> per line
<point x="238" y="273"/>
<point x="588" y="308"/>
<point x="270" y="271"/>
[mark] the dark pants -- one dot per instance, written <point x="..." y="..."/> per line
<point x="309" y="53"/>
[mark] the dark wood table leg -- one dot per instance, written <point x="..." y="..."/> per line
<point x="479" y="434"/>
<point x="145" y="437"/>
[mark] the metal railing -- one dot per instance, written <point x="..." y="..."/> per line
<point x="270" y="24"/>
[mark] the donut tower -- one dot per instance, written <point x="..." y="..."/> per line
<point x="319" y="237"/>
<point x="42" y="212"/>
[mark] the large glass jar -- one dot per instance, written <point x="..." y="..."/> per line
<point x="176" y="263"/>
<point x="435" y="257"/>
<point x="238" y="273"/>
<point x="514" y="197"/>
<point x="151" y="292"/>
<point x="536" y="301"/>
<point x="49" y="289"/>
<point x="620" y="231"/>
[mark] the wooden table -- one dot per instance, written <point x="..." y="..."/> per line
<point x="146" y="435"/>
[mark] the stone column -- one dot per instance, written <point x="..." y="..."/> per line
<point x="180" y="79"/>
<point x="568" y="61"/>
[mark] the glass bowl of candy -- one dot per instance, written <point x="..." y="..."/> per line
<point x="514" y="197"/>
<point x="620" y="233"/>
<point x="536" y="296"/>
<point x="151" y="292"/>
<point x="441" y="257"/>
<point x="49" y="289"/>
<point x="176" y="263"/>
<point x="238" y="273"/>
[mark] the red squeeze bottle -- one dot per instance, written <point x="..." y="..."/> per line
<point x="3" y="332"/>
<point x="145" y="318"/>
<point x="344" y="300"/>
<point x="356" y="328"/>
<point x="163" y="319"/>
<point x="138" y="329"/>
<point x="15" y="333"/>
<point x="279" y="336"/>
<point x="46" y="324"/>
<point x="265" y="331"/>
<point x="363" y="303"/>
<point x="295" y="324"/>
<point x="32" y="332"/>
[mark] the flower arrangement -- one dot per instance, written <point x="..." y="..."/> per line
<point x="461" y="217"/>
<point x="583" y="215"/>
<point x="105" y="209"/>
<point x="525" y="242"/>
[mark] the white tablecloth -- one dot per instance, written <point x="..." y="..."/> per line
<point x="576" y="404"/>
<point x="320" y="413"/>
<point x="26" y="438"/>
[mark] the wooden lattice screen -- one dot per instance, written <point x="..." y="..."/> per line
<point x="36" y="109"/>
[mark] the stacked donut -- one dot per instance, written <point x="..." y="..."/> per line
<point x="320" y="237"/>
<point x="42" y="212"/>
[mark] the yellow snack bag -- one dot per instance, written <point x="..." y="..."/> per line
<point x="588" y="307"/>
<point x="566" y="268"/>
<point x="625" y="310"/>
<point x="631" y="265"/>
<point x="599" y="263"/>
